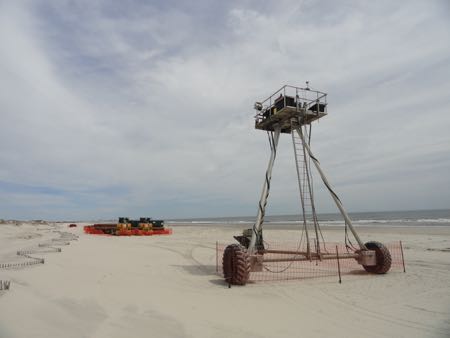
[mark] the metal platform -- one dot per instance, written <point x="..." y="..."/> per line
<point x="304" y="105"/>
<point x="284" y="116"/>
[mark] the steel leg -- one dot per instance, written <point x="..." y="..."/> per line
<point x="333" y="195"/>
<point x="257" y="227"/>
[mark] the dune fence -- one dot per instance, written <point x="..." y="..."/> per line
<point x="4" y="284"/>
<point x="284" y="261"/>
<point x="32" y="255"/>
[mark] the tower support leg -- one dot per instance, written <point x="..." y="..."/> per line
<point x="257" y="227"/>
<point x="333" y="194"/>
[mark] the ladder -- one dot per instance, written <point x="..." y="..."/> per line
<point x="305" y="185"/>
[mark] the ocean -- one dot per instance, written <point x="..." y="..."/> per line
<point x="380" y="218"/>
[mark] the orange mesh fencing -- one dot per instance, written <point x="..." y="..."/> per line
<point x="293" y="269"/>
<point x="90" y="229"/>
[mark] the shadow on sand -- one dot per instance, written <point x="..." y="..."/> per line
<point x="204" y="270"/>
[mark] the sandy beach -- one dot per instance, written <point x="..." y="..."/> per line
<point x="167" y="286"/>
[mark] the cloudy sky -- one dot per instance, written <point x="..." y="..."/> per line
<point x="135" y="108"/>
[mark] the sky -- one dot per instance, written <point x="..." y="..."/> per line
<point x="145" y="108"/>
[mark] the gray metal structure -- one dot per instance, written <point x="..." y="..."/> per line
<point x="292" y="110"/>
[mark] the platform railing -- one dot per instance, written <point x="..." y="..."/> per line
<point x="303" y="98"/>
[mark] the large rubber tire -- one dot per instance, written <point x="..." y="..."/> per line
<point x="384" y="259"/>
<point x="236" y="264"/>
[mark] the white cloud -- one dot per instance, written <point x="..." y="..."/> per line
<point x="154" y="104"/>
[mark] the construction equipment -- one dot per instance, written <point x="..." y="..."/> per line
<point x="145" y="226"/>
<point x="291" y="110"/>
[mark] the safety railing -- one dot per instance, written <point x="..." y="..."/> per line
<point x="290" y="96"/>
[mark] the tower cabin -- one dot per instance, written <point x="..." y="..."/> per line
<point x="290" y="107"/>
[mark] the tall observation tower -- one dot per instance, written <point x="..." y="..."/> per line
<point x="291" y="110"/>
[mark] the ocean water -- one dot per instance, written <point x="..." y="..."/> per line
<point x="381" y="218"/>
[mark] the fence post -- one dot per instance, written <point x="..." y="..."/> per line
<point x="338" y="264"/>
<point x="403" y="258"/>
<point x="217" y="256"/>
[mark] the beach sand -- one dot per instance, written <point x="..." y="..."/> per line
<point x="167" y="286"/>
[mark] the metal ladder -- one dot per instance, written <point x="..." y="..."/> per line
<point x="305" y="184"/>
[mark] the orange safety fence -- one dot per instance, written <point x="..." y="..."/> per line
<point x="305" y="269"/>
<point x="89" y="229"/>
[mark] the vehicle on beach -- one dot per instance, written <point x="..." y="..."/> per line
<point x="145" y="226"/>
